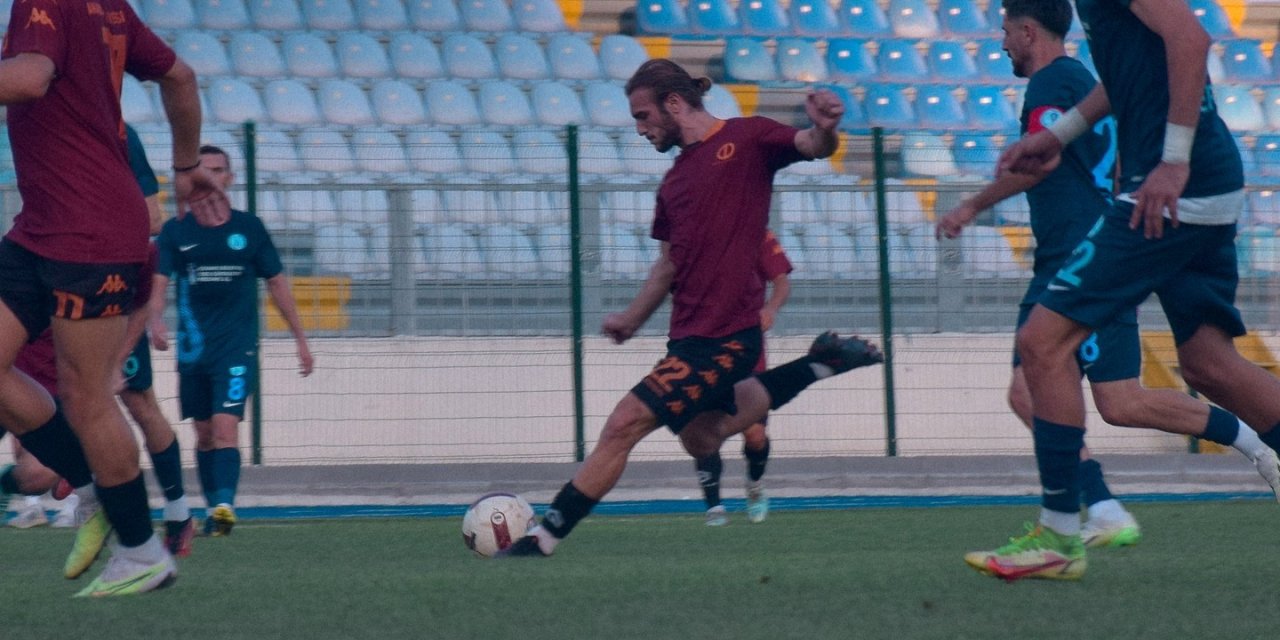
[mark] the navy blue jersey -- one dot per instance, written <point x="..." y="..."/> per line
<point x="216" y="271"/>
<point x="1130" y="59"/>
<point x="138" y="163"/>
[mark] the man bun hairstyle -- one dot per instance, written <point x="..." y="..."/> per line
<point x="664" y="78"/>
<point x="1054" y="15"/>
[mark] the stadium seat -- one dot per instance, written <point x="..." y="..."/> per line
<point x="598" y="154"/>
<point x="900" y="61"/>
<point x="487" y="152"/>
<point x="520" y="58"/>
<point x="362" y="56"/>
<point x="938" y="108"/>
<point x="748" y="60"/>
<point x="850" y="61"/>
<point x="233" y="101"/>
<point x="949" y="61"/>
<point x="976" y="153"/>
<point x="255" y="55"/>
<point x="468" y="58"/>
<point x="1249" y="160"/>
<point x="381" y="15"/>
<point x="415" y="57"/>
<point x="344" y="103"/>
<point x="169" y="14"/>
<point x="795" y="206"/>
<point x="1244" y="62"/>
<point x="329" y="15"/>
<point x="989" y="110"/>
<point x="395" y="103"/>
<point x="864" y="19"/>
<point x="434" y="16"/>
<point x="713" y="18"/>
<point x="289" y="102"/>
<point x="137" y="105"/>
<point x="1238" y="108"/>
<point x="641" y="159"/>
<point x="326" y="151"/>
<point x="607" y="105"/>
<point x="508" y="253"/>
<point x="223" y="15"/>
<point x="1213" y="61"/>
<point x="1264" y="208"/>
<point x="912" y="19"/>
<point x="451" y="252"/>
<point x="1014" y="210"/>
<point x="630" y="204"/>
<point x="538" y="16"/>
<point x="276" y="15"/>
<point x="620" y="56"/>
<point x="503" y="104"/>
<point x="831" y="252"/>
<point x="720" y="103"/>
<point x="800" y="61"/>
<point x="307" y="55"/>
<point x="1270" y="107"/>
<point x="814" y="18"/>
<point x="555" y="104"/>
<point x="203" y="52"/>
<point x="156" y="139"/>
<point x="854" y="119"/>
<point x="963" y="18"/>
<point x="378" y="152"/>
<point x="624" y="254"/>
<point x="1266" y="151"/>
<point x="992" y="63"/>
<point x="1213" y="18"/>
<point x="926" y="154"/>
<point x="432" y="152"/>
<point x="888" y="106"/>
<point x="572" y="58"/>
<point x="449" y="103"/>
<point x="988" y="255"/>
<point x="995" y="15"/>
<point x="661" y="17"/>
<point x="763" y="18"/>
<point x="277" y="152"/>
<point x="486" y="15"/>
<point x="540" y="153"/>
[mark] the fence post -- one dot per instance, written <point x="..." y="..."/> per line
<point x="403" y="295"/>
<point x="886" y="294"/>
<point x="251" y="200"/>
<point x="575" y="294"/>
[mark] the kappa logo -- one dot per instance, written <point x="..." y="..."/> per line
<point x="113" y="284"/>
<point x="39" y="17"/>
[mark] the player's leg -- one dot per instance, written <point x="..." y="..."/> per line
<point x="166" y="462"/>
<point x="1211" y="364"/>
<point x="709" y="468"/>
<point x="29" y="479"/>
<point x="225" y="461"/>
<point x="755" y="448"/>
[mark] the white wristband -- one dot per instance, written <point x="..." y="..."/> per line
<point x="1177" y="143"/>
<point x="1069" y="126"/>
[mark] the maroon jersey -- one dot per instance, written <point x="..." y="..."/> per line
<point x="713" y="209"/>
<point x="36" y="360"/>
<point x="773" y="260"/>
<point x="80" y="201"/>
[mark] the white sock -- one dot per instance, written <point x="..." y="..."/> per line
<point x="149" y="552"/>
<point x="821" y="370"/>
<point x="1248" y="442"/>
<point x="177" y="510"/>
<point x="546" y="541"/>
<point x="1067" y="524"/>
<point x="1109" y="510"/>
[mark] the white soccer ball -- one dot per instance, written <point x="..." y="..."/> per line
<point x="494" y="521"/>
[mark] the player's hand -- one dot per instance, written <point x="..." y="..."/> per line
<point x="1036" y="154"/>
<point x="306" y="362"/>
<point x="159" y="335"/>
<point x="618" y="328"/>
<point x="196" y="191"/>
<point x="950" y="225"/>
<point x="767" y="316"/>
<point x="824" y="108"/>
<point x="1158" y="193"/>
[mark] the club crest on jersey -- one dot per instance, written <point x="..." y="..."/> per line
<point x="725" y="151"/>
<point x="237" y="241"/>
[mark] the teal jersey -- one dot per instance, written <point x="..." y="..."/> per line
<point x="1130" y="59"/>
<point x="138" y="163"/>
<point x="1065" y="205"/>
<point x="216" y="271"/>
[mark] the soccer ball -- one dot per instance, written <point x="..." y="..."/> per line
<point x="494" y="521"/>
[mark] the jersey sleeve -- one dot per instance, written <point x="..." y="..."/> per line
<point x="266" y="261"/>
<point x="37" y="26"/>
<point x="142" y="170"/>
<point x="773" y="260"/>
<point x="778" y="142"/>
<point x="661" y="230"/>
<point x="149" y="56"/>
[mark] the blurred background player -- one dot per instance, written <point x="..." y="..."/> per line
<point x="217" y="261"/>
<point x="775" y="269"/>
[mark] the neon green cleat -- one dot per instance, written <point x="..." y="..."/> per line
<point x="1121" y="533"/>
<point x="90" y="538"/>
<point x="757" y="503"/>
<point x="125" y="576"/>
<point x="224" y="518"/>
<point x="1041" y="553"/>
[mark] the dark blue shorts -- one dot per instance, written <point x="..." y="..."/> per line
<point x="1192" y="269"/>
<point x="137" y="367"/>
<point x="1111" y="353"/>
<point x="698" y="375"/>
<point x="221" y="387"/>
<point x="36" y="288"/>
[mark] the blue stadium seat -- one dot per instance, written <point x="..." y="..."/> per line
<point x="277" y="152"/>
<point x="1213" y="18"/>
<point x="169" y="14"/>
<point x="307" y="55"/>
<point x="572" y="58"/>
<point x="963" y="18"/>
<point x="362" y="56"/>
<point x="900" y="61"/>
<point x="607" y="105"/>
<point x="203" y="52"/>
<point x="887" y="106"/>
<point x="989" y="110"/>
<point x="864" y="18"/>
<point x="1270" y="107"/>
<point x="434" y="16"/>
<point x="432" y="152"/>
<point x="555" y="104"/>
<point x="137" y="105"/>
<point x="468" y="58"/>
<point x="854" y="119"/>
<point x="642" y="160"/>
<point x="814" y="18"/>
<point x="487" y="152"/>
<point x="988" y="255"/>
<point x="938" y="108"/>
<point x="486" y="15"/>
<point x="800" y="61"/>
<point x="1244" y="62"/>
<point x="1238" y="108"/>
<point x="1014" y="210"/>
<point x="396" y="103"/>
<point x="1248" y="159"/>
<point x="329" y="15"/>
<point x="508" y="253"/>
<point x="849" y="60"/>
<point x="926" y="154"/>
<point x="276" y="15"/>
<point x="713" y="18"/>
<point x="1266" y="151"/>
<point x="521" y="58"/>
<point x="415" y="57"/>
<point x="991" y="61"/>
<point x="344" y="103"/>
<point x="976" y="153"/>
<point x="449" y="103"/>
<point x="763" y="18"/>
<point x="233" y="101"/>
<point x="1264" y="208"/>
<point x="913" y="19"/>
<point x="541" y="153"/>
<point x="995" y="15"/>
<point x="538" y="16"/>
<point x="382" y="15"/>
<point x="326" y="151"/>
<point x="255" y="55"/>
<point x="621" y="55"/>
<point x="747" y="60"/>
<point x="720" y="103"/>
<point x="379" y="152"/>
<point x="598" y="154"/>
<point x="223" y="15"/>
<point x="949" y="61"/>
<point x="503" y="104"/>
<point x="661" y="17"/>
<point x="289" y="102"/>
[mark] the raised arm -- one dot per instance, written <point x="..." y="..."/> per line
<point x="825" y="111"/>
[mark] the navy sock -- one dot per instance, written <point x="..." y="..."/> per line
<point x="127" y="510"/>
<point x="56" y="446"/>
<point x="167" y="465"/>
<point x="204" y="468"/>
<point x="568" y="508"/>
<point x="1093" y="488"/>
<point x="756" y="461"/>
<point x="9" y="483"/>
<point x="1272" y="437"/>
<point x="226" y="466"/>
<point x="784" y="382"/>
<point x="1222" y="427"/>
<point x="1058" y="457"/>
<point x="709" y="470"/>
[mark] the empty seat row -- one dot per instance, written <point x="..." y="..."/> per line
<point x="858" y="60"/>
<point x="931" y="107"/>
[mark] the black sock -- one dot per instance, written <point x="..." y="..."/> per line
<point x="9" y="483"/>
<point x="784" y="382"/>
<point x="56" y="446"/>
<point x="709" y="470"/>
<point x="756" y="461"/>
<point x="167" y="465"/>
<point x="1222" y="427"/>
<point x="568" y="508"/>
<point x="1272" y="437"/>
<point x="1093" y="488"/>
<point x="1058" y="458"/>
<point x="127" y="510"/>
